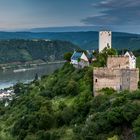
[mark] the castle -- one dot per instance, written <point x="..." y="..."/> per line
<point x="120" y="73"/>
<point x="105" y="38"/>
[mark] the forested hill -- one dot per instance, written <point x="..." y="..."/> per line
<point x="86" y="40"/>
<point x="29" y="50"/>
<point x="61" y="106"/>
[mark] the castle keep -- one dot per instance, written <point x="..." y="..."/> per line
<point x="105" y="38"/>
<point x="117" y="75"/>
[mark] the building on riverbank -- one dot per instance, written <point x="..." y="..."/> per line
<point x="79" y="60"/>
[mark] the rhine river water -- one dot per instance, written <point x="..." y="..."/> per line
<point x="10" y="77"/>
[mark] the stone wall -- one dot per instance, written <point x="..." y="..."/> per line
<point x="104" y="77"/>
<point x="118" y="62"/>
<point x="134" y="78"/>
<point x="118" y="79"/>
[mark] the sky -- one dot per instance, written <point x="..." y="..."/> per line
<point x="117" y="15"/>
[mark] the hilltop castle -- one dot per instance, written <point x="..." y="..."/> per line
<point x="105" y="38"/>
<point x="120" y="73"/>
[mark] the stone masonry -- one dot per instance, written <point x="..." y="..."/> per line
<point x="116" y="75"/>
<point x="118" y="62"/>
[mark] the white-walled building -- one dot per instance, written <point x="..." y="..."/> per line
<point x="105" y="39"/>
<point x="79" y="60"/>
<point x="132" y="59"/>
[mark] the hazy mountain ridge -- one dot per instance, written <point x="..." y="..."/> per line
<point x="86" y="40"/>
<point x="30" y="50"/>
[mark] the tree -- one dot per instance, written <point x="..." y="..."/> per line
<point x="36" y="77"/>
<point x="72" y="88"/>
<point x="67" y="56"/>
<point x="102" y="57"/>
<point x="19" y="88"/>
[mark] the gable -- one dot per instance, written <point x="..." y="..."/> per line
<point x="129" y="54"/>
<point x="84" y="57"/>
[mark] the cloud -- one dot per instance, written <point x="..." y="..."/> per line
<point x="115" y="12"/>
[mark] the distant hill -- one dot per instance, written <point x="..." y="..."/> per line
<point x="29" y="50"/>
<point x="66" y="29"/>
<point x="86" y="40"/>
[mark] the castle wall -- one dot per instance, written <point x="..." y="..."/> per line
<point x="118" y="79"/>
<point x="104" y="77"/>
<point x="134" y="78"/>
<point x="118" y="62"/>
<point x="125" y="79"/>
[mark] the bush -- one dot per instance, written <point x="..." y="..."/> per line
<point x="108" y="91"/>
<point x="46" y="93"/>
<point x="67" y="56"/>
<point x="72" y="88"/>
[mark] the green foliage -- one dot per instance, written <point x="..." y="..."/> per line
<point x="138" y="62"/>
<point x="61" y="106"/>
<point x="108" y="91"/>
<point x="112" y="115"/>
<point x="113" y="138"/>
<point x="67" y="56"/>
<point x="136" y="127"/>
<point x="102" y="56"/>
<point x="19" y="88"/>
<point x="34" y="112"/>
<point x="29" y="50"/>
<point x="72" y="88"/>
<point x="87" y="40"/>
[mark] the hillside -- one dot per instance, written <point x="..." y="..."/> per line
<point x="86" y="40"/>
<point x="61" y="107"/>
<point x="29" y="50"/>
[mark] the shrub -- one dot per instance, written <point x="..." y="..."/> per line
<point x="72" y="88"/>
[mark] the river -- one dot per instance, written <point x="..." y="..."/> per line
<point x="10" y="77"/>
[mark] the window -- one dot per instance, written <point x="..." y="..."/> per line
<point x="96" y="80"/>
<point x="120" y="87"/>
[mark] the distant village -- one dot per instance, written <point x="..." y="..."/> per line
<point x="6" y="94"/>
<point x="120" y="73"/>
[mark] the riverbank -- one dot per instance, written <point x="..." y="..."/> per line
<point x="10" y="77"/>
<point x="29" y="64"/>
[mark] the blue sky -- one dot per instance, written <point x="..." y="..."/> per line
<point x="115" y="14"/>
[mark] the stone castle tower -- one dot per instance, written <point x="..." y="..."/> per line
<point x="105" y="38"/>
<point x="118" y="75"/>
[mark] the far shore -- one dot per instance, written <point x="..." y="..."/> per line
<point x="20" y="65"/>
